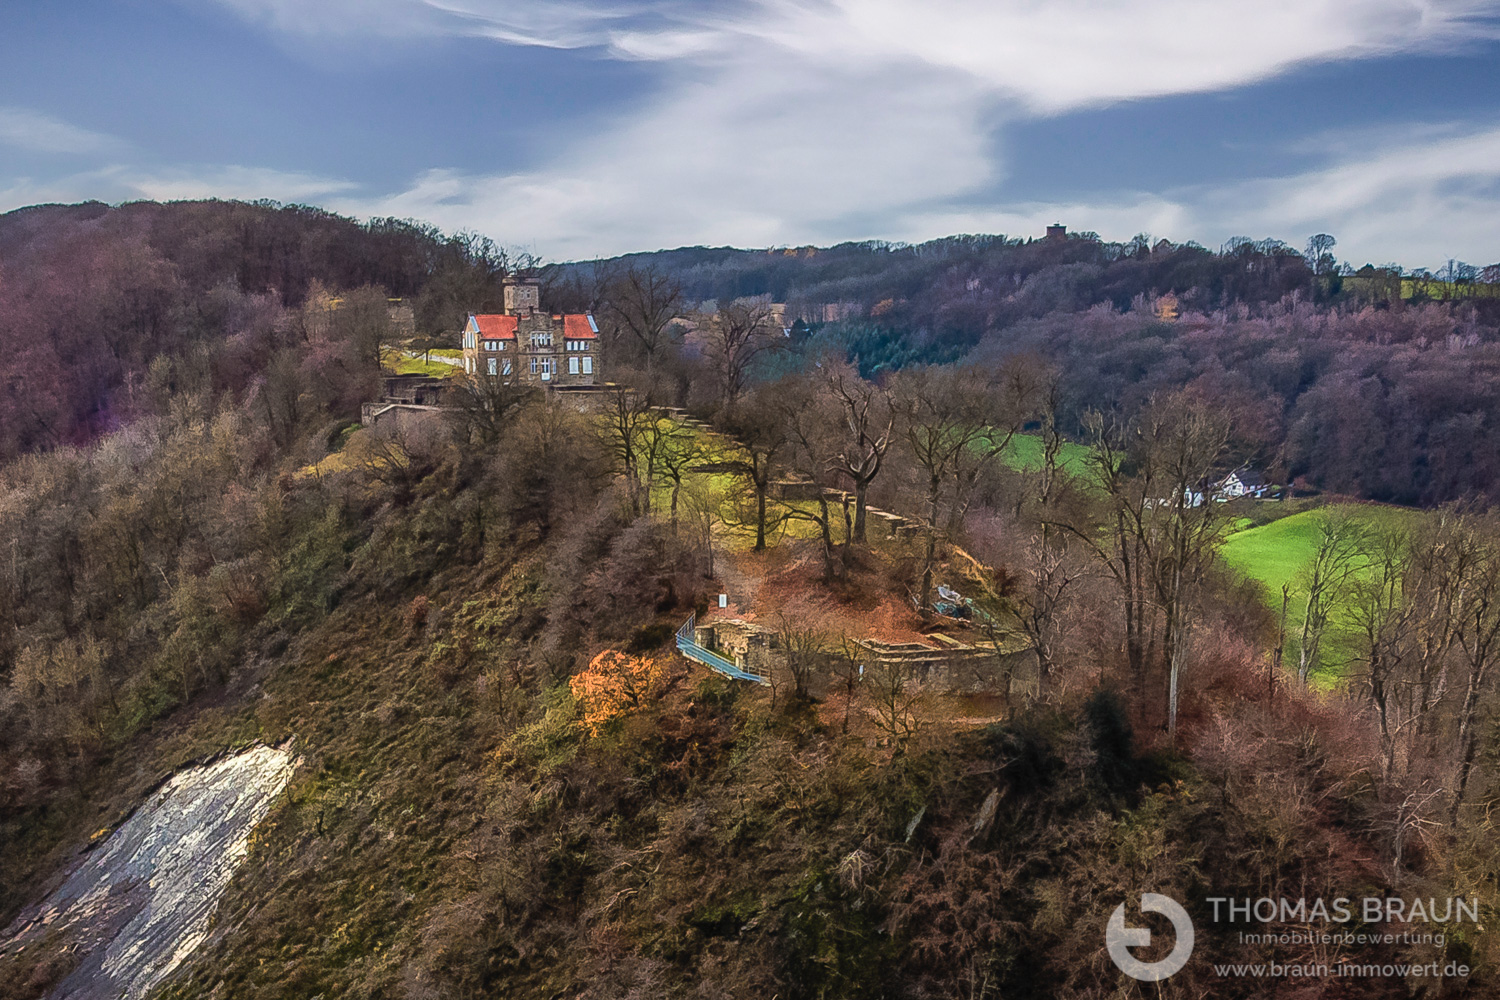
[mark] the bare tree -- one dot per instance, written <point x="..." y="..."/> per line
<point x="681" y="450"/>
<point x="955" y="421"/>
<point x="1380" y="623"/>
<point x="1479" y="645"/>
<point x="847" y="659"/>
<point x="868" y="418"/>
<point x="1326" y="578"/>
<point x="633" y="435"/>
<point x="485" y="406"/>
<point x="1161" y="521"/>
<point x="734" y="336"/>
<point x="641" y="305"/>
<point x="1320" y="255"/>
<point x="761" y="436"/>
<point x="804" y="649"/>
<point x="810" y="423"/>
<point x="896" y="694"/>
<point x="704" y="503"/>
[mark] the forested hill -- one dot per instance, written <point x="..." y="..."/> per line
<point x="91" y="295"/>
<point x="1363" y="380"/>
<point x="1354" y="380"/>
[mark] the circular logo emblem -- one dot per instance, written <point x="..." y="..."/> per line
<point x="1119" y="939"/>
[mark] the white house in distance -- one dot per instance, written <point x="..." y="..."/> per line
<point x="1243" y="482"/>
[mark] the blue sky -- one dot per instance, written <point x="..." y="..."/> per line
<point x="582" y="128"/>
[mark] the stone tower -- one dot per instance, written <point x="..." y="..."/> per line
<point x="523" y="296"/>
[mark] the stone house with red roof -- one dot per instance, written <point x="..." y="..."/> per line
<point x="530" y="345"/>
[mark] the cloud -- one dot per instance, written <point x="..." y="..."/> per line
<point x="118" y="183"/>
<point x="38" y="133"/>
<point x="1051" y="57"/>
<point x="766" y="152"/>
<point x="1419" y="201"/>
<point x="247" y="183"/>
<point x="784" y="121"/>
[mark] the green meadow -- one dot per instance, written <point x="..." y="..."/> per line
<point x="1274" y="554"/>
<point x="1024" y="453"/>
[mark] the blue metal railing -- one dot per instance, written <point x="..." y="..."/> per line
<point x="688" y="646"/>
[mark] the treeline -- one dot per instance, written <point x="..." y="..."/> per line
<point x="1338" y="382"/>
<point x="1342" y="383"/>
<point x="92" y="296"/>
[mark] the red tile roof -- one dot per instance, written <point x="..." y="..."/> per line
<point x="577" y="326"/>
<point x="496" y="326"/>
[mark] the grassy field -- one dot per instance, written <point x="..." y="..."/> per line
<point x="1025" y="453"/>
<point x="400" y="364"/>
<point x="1275" y="554"/>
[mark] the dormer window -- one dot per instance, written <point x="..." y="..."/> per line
<point x="494" y="345"/>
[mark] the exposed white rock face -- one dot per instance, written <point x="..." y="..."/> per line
<point x="142" y="901"/>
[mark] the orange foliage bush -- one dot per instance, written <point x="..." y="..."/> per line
<point x="612" y="685"/>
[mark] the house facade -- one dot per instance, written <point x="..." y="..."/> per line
<point x="1244" y="482"/>
<point x="529" y="345"/>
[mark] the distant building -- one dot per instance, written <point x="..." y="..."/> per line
<point x="1057" y="231"/>
<point x="403" y="319"/>
<point x="1243" y="482"/>
<point x="530" y="345"/>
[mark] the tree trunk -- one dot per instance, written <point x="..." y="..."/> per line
<point x="824" y="525"/>
<point x="932" y="515"/>
<point x="1467" y="737"/>
<point x="761" y="486"/>
<point x="861" y="488"/>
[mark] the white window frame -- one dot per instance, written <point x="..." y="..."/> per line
<point x="588" y="365"/>
<point x="533" y="366"/>
<point x="494" y="366"/>
<point x="506" y="369"/>
<point x="573" y="366"/>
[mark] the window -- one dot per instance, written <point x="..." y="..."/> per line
<point x="493" y="345"/>
<point x="533" y="366"/>
<point x="507" y="366"/>
<point x="572" y="366"/>
<point x="494" y="365"/>
<point x="546" y="366"/>
<point x="588" y="366"/>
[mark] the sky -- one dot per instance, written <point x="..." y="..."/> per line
<point x="576" y="129"/>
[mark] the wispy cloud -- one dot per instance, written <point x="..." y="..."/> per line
<point x="247" y="183"/>
<point x="1052" y="56"/>
<point x="35" y="132"/>
<point x="783" y="121"/>
<point x="125" y="183"/>
<point x="1419" y="202"/>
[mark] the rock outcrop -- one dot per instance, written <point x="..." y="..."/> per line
<point x="141" y="902"/>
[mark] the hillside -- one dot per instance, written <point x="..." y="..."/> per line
<point x="455" y="830"/>
<point x="1013" y="678"/>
